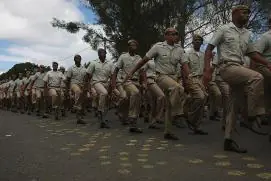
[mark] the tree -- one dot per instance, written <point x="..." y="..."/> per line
<point x="20" y="68"/>
<point x="143" y="20"/>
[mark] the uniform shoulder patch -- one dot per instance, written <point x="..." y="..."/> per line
<point x="159" y="43"/>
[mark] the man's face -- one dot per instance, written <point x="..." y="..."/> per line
<point x="172" y="37"/>
<point x="133" y="46"/>
<point x="20" y="75"/>
<point x="55" y="66"/>
<point x="77" y="60"/>
<point x="197" y="43"/>
<point x="42" y="69"/>
<point x="242" y="16"/>
<point x="102" y="54"/>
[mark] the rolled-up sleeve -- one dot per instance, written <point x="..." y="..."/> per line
<point x="261" y="44"/>
<point x="217" y="37"/>
<point x="152" y="53"/>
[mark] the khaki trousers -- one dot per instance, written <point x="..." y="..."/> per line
<point x="122" y="101"/>
<point x="134" y="98"/>
<point x="40" y="98"/>
<point x="20" y="100"/>
<point x="78" y="96"/>
<point x="225" y="93"/>
<point x="33" y="96"/>
<point x="27" y="99"/>
<point x="196" y="101"/>
<point x="156" y="99"/>
<point x="219" y="92"/>
<point x="94" y="96"/>
<point x="56" y="96"/>
<point x="101" y="90"/>
<point x="267" y="86"/>
<point x="241" y="80"/>
<point x="174" y="94"/>
<point x="215" y="98"/>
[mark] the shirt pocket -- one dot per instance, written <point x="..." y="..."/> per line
<point x="164" y="55"/>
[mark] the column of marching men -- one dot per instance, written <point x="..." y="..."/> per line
<point x="166" y="86"/>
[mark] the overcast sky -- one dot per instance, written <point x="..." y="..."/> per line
<point x="27" y="35"/>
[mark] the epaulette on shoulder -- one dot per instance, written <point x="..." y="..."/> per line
<point x="177" y="45"/>
<point x="159" y="43"/>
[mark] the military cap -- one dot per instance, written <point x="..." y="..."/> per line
<point x="240" y="7"/>
<point x="197" y="37"/>
<point x="171" y="30"/>
<point x="77" y="56"/>
<point x="101" y="50"/>
<point x="132" y="41"/>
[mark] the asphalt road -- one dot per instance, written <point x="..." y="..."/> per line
<point x="36" y="149"/>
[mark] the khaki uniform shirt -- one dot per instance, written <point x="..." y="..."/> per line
<point x="216" y="75"/>
<point x="120" y="76"/>
<point x="54" y="78"/>
<point x="18" y="84"/>
<point x="263" y="45"/>
<point x="232" y="43"/>
<point x="195" y="61"/>
<point x="63" y="84"/>
<point x="26" y="81"/>
<point x="126" y="62"/>
<point x="77" y="74"/>
<point x="166" y="57"/>
<point x="150" y="70"/>
<point x="179" y="71"/>
<point x="38" y="78"/>
<point x="11" y="85"/>
<point x="30" y="79"/>
<point x="101" y="72"/>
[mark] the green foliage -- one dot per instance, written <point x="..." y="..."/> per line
<point x="146" y="20"/>
<point x="143" y="20"/>
<point x="20" y="68"/>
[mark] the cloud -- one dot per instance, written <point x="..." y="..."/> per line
<point x="26" y="25"/>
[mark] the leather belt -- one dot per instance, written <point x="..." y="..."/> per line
<point x="158" y="73"/>
<point x="230" y="62"/>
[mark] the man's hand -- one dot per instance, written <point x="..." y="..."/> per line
<point x="144" y="85"/>
<point x="207" y="76"/>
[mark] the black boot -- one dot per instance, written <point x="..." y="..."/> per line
<point x="56" y="111"/>
<point x="103" y="124"/>
<point x="63" y="113"/>
<point x="170" y="136"/>
<point x="254" y="125"/>
<point x="133" y="127"/>
<point x="230" y="145"/>
<point x="80" y="118"/>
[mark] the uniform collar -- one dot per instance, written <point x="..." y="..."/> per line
<point x="99" y="61"/>
<point x="192" y="50"/>
<point x="76" y="66"/>
<point x="231" y="25"/>
<point x="174" y="46"/>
